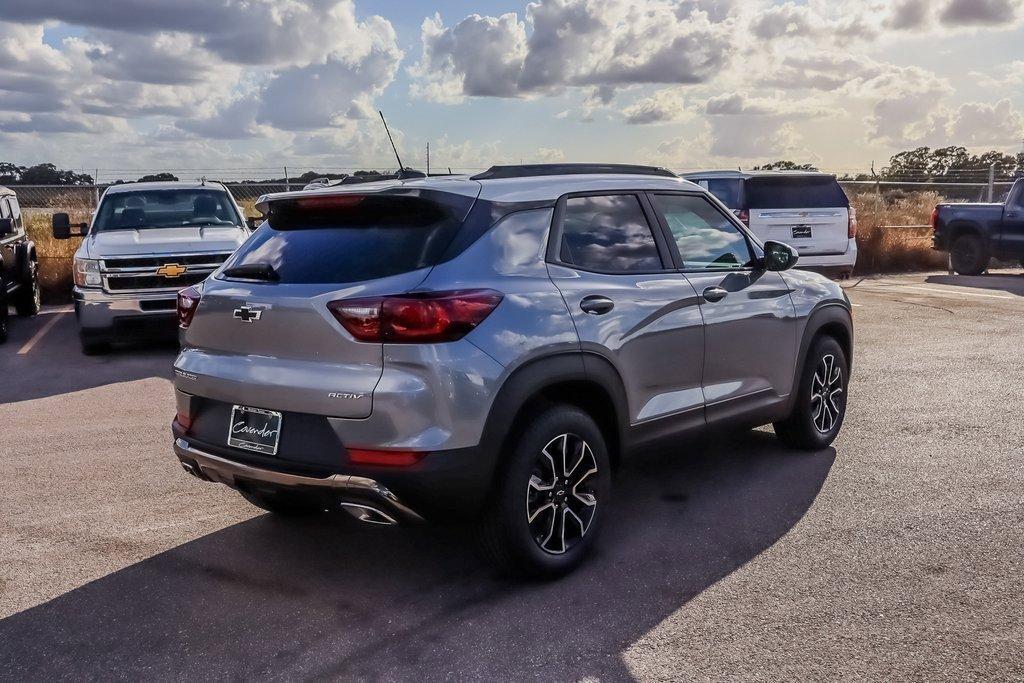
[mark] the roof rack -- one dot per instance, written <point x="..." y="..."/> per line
<point x="528" y="170"/>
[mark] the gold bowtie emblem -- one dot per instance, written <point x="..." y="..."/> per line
<point x="171" y="270"/>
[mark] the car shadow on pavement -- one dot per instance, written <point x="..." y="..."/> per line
<point x="1012" y="283"/>
<point x="54" y="363"/>
<point x="328" y="598"/>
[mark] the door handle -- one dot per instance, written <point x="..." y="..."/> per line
<point x="1011" y="214"/>
<point x="597" y="305"/>
<point x="713" y="294"/>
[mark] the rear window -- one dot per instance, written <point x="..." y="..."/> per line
<point x="348" y="238"/>
<point x="727" y="191"/>
<point x="794" y="193"/>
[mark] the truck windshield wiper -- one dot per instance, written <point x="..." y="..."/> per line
<point x="253" y="271"/>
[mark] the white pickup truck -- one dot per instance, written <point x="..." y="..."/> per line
<point x="147" y="241"/>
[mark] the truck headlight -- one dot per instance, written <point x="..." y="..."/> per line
<point x="87" y="272"/>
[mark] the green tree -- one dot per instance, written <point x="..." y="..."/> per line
<point x="158" y="177"/>
<point x="785" y="165"/>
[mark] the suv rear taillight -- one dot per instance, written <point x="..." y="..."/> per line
<point x="935" y="218"/>
<point x="188" y="302"/>
<point x="415" y="318"/>
<point x="851" y="229"/>
<point x="743" y="215"/>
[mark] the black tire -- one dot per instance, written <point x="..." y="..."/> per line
<point x="93" y="344"/>
<point x="282" y="504"/>
<point x="553" y="543"/>
<point x="969" y="255"/>
<point x="819" y="409"/>
<point x="3" y="310"/>
<point x="29" y="299"/>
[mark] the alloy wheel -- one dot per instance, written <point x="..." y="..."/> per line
<point x="561" y="496"/>
<point x="826" y="386"/>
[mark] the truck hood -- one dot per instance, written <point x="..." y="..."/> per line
<point x="156" y="241"/>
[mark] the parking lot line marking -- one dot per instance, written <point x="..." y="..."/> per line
<point x="954" y="292"/>
<point x="54" y="317"/>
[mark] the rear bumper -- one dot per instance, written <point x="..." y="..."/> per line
<point x="366" y="498"/>
<point x="444" y="485"/>
<point x="839" y="262"/>
<point x="97" y="310"/>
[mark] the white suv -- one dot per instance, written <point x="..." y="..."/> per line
<point x="805" y="209"/>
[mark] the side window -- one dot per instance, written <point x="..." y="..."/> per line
<point x="15" y="212"/>
<point x="705" y="237"/>
<point x="5" y="208"/>
<point x="608" y="234"/>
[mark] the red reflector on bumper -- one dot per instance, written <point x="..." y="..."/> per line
<point x="360" y="456"/>
<point x="184" y="421"/>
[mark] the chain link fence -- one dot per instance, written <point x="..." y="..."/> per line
<point x="72" y="198"/>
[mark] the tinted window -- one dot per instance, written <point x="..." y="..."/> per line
<point x="608" y="234"/>
<point x="727" y="191"/>
<point x="165" y="209"/>
<point x="794" y="193"/>
<point x="351" y="238"/>
<point x="705" y="237"/>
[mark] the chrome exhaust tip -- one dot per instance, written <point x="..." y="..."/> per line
<point x="368" y="514"/>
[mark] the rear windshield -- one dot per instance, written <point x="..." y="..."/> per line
<point x="165" y="209"/>
<point x="794" y="193"/>
<point x="352" y="238"/>
<point x="727" y="191"/>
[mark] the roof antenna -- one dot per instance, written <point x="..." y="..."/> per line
<point x="400" y="166"/>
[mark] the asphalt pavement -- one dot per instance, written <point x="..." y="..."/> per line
<point x="896" y="554"/>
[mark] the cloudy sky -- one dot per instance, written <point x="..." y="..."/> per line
<point x="243" y="86"/>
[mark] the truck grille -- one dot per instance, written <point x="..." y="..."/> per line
<point x="155" y="273"/>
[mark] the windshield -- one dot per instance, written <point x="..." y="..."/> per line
<point x="165" y="209"/>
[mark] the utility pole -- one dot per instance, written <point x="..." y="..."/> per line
<point x="287" y="181"/>
<point x="991" y="181"/>
<point x="428" y="159"/>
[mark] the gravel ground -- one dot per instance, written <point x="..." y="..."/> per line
<point x="897" y="554"/>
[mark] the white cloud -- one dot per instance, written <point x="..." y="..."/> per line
<point x="976" y="124"/>
<point x="571" y="43"/>
<point x="662" y="106"/>
<point x="479" y="56"/>
<point x="907" y="104"/>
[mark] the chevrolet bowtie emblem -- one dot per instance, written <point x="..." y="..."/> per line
<point x="247" y="315"/>
<point x="171" y="270"/>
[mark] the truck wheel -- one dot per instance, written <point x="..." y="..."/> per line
<point x="3" y="310"/>
<point x="548" y="501"/>
<point x="282" y="504"/>
<point x="93" y="344"/>
<point x="821" y="398"/>
<point x="29" y="300"/>
<point x="970" y="255"/>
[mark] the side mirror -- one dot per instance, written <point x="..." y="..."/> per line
<point x="6" y="227"/>
<point x="779" y="256"/>
<point x="62" y="227"/>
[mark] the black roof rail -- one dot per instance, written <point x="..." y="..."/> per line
<point x="529" y="170"/>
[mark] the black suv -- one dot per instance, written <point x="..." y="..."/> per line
<point x="19" y="266"/>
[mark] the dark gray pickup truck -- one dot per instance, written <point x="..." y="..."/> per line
<point x="974" y="234"/>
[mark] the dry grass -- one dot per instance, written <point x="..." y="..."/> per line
<point x="249" y="208"/>
<point x="55" y="256"/>
<point x="882" y="249"/>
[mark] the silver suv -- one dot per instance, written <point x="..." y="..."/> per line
<point x="492" y="347"/>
